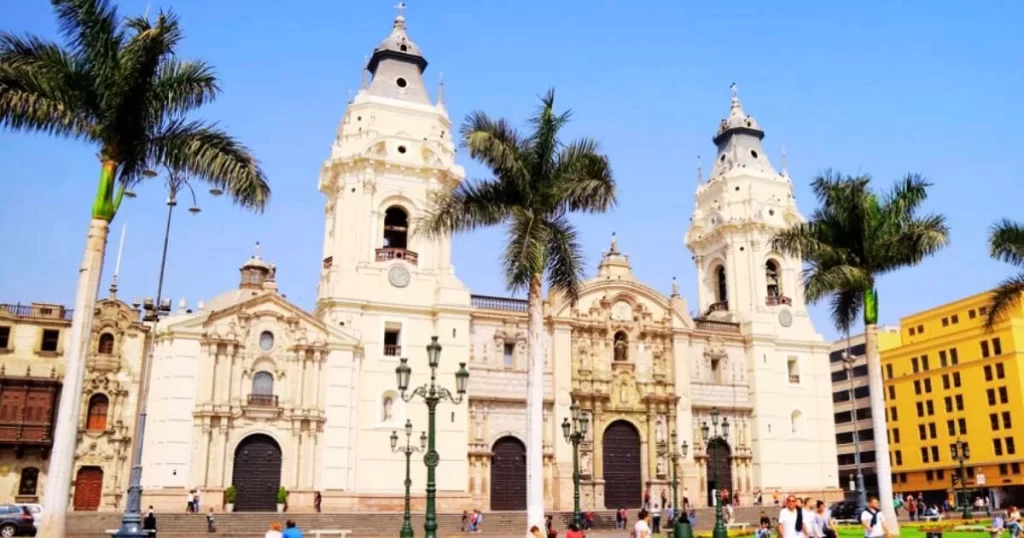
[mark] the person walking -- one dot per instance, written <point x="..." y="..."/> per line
<point x="873" y="520"/>
<point x="211" y="523"/>
<point x="317" y="499"/>
<point x="190" y="500"/>
<point x="791" y="520"/>
<point x="642" y="528"/>
<point x="655" y="520"/>
<point x="149" y="523"/>
<point x="291" y="530"/>
<point x="273" y="531"/>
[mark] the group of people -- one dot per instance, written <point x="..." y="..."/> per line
<point x="471" y="520"/>
<point x="804" y="518"/>
<point x="291" y="530"/>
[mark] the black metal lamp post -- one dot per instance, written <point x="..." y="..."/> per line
<point x="961" y="453"/>
<point x="711" y="437"/>
<point x="681" y="519"/>
<point x="432" y="394"/>
<point x="131" y="520"/>
<point x="408" y="450"/>
<point x="575" y="432"/>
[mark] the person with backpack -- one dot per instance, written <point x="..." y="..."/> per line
<point x="873" y="521"/>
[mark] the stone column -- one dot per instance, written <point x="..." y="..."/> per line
<point x="652" y="448"/>
<point x="226" y="471"/>
<point x="235" y="376"/>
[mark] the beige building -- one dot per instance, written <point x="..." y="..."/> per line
<point x="252" y="391"/>
<point x="32" y="343"/>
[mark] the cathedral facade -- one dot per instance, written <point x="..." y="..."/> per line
<point x="253" y="392"/>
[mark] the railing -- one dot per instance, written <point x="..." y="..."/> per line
<point x="777" y="300"/>
<point x="263" y="400"/>
<point x="794" y="378"/>
<point x="507" y="304"/>
<point x="388" y="254"/>
<point x="32" y="311"/>
<point x="391" y="350"/>
<point x="723" y="327"/>
<point x="25" y="433"/>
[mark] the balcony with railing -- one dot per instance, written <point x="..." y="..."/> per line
<point x="38" y="311"/>
<point x="714" y="326"/>
<point x="392" y="350"/>
<point x="263" y="400"/>
<point x="506" y="304"/>
<point x="776" y="300"/>
<point x="27" y="413"/>
<point x="387" y="254"/>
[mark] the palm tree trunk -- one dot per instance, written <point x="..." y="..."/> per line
<point x="58" y="477"/>
<point x="535" y="407"/>
<point x="883" y="468"/>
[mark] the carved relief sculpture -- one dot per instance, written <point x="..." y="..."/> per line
<point x="388" y="412"/>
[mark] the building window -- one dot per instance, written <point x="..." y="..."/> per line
<point x="895" y="435"/>
<point x="942" y="359"/>
<point x="262" y="389"/>
<point x="940" y="475"/>
<point x="949" y="404"/>
<point x="106" y="346"/>
<point x="956" y="378"/>
<point x="970" y="471"/>
<point x="945" y="381"/>
<point x="839" y="376"/>
<point x="893" y="413"/>
<point x="950" y="427"/>
<point x="97" y="417"/>
<point x="510" y="355"/>
<point x="914" y="365"/>
<point x="1003" y="396"/>
<point x="991" y="393"/>
<point x="892" y="392"/>
<point x="988" y="372"/>
<point x="931" y="430"/>
<point x="899" y="457"/>
<point x="888" y="371"/>
<point x="793" y="365"/>
<point x="994" y="421"/>
<point x="771" y="273"/>
<point x="1000" y="371"/>
<point x="723" y="290"/>
<point x="922" y="432"/>
<point x="864" y="413"/>
<point x="841" y="396"/>
<point x="931" y="408"/>
<point x="954" y="319"/>
<point x="924" y="454"/>
<point x="945" y="322"/>
<point x="959" y="402"/>
<point x="929" y="476"/>
<point x="843" y="418"/>
<point x="50" y="339"/>
<point x="984" y="348"/>
<point x="935" y="453"/>
<point x="1003" y="468"/>
<point x="927" y="385"/>
<point x="1015" y="468"/>
<point x="29" y="481"/>
<point x="971" y="314"/>
<point x="1007" y="424"/>
<point x="924" y="363"/>
<point x="920" y="409"/>
<point x="963" y="425"/>
<point x="917" y="386"/>
<point x="266" y="340"/>
<point x="953" y="357"/>
<point x="920" y="329"/>
<point x="5" y="337"/>
<point x="392" y="340"/>
<point x="860" y="371"/>
<point x="912" y="332"/>
<point x="1011" y="447"/>
<point x="396" y="228"/>
<point x="795" y="420"/>
<point x="997" y="446"/>
<point x="997" y="347"/>
<point x="983" y="310"/>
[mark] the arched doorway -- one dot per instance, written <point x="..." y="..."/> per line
<point x="88" y="488"/>
<point x="257" y="473"/>
<point x="508" y="475"/>
<point x="622" y="481"/>
<point x="718" y="454"/>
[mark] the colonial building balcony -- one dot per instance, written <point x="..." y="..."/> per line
<point x="27" y="416"/>
<point x="776" y="300"/>
<point x="38" y="311"/>
<point x="391" y="350"/>
<point x="388" y="254"/>
<point x="715" y="326"/>
<point x="263" y="400"/>
<point x="720" y="306"/>
<point x="507" y="304"/>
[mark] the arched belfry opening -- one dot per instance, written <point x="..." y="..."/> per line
<point x="771" y="274"/>
<point x="396" y="228"/>
<point x="720" y="290"/>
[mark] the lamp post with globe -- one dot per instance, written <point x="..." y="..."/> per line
<point x="676" y="455"/>
<point x="408" y="450"/>
<point x="432" y="394"/>
<point x="575" y="432"/>
<point x="713" y="437"/>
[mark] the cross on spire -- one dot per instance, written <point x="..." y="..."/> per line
<point x="401" y="9"/>
<point x="734" y="90"/>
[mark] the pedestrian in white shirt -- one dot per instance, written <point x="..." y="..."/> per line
<point x="873" y="521"/>
<point x="791" y="520"/>
<point x="642" y="527"/>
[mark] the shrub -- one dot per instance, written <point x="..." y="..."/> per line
<point x="230" y="495"/>
<point x="282" y="495"/>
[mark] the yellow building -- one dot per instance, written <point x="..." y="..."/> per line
<point x="951" y="378"/>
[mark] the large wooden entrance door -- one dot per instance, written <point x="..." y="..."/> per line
<point x="508" y="475"/>
<point x="718" y="455"/>
<point x="88" y="488"/>
<point x="257" y="473"/>
<point x="622" y="481"/>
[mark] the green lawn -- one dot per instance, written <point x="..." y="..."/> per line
<point x="906" y="531"/>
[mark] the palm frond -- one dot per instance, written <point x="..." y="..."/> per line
<point x="1004" y="298"/>
<point x="495" y="143"/>
<point x="583" y="179"/>
<point x="469" y="206"/>
<point x="916" y="240"/>
<point x="564" y="257"/>
<point x="544" y="142"/>
<point x="906" y="196"/>
<point x="525" y="253"/>
<point x="845" y="308"/>
<point x="91" y="27"/>
<point x="210" y="154"/>
<point x="820" y="281"/>
<point x="181" y="86"/>
<point x="1006" y="242"/>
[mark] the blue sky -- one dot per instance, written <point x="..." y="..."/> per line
<point x="871" y="87"/>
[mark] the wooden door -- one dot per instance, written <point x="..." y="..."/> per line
<point x="623" y="487"/>
<point x="508" y="475"/>
<point x="257" y="473"/>
<point x="88" y="488"/>
<point x="718" y="464"/>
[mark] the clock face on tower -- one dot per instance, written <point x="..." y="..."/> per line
<point x="785" y="318"/>
<point x="398" y="276"/>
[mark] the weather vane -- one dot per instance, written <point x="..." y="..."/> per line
<point x="401" y="8"/>
<point x="735" y="90"/>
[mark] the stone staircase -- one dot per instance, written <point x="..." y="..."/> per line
<point x="365" y="524"/>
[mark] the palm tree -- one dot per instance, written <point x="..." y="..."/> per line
<point x="116" y="84"/>
<point x="854" y="237"/>
<point x="537" y="182"/>
<point x="1006" y="243"/>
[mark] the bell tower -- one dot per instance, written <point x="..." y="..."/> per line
<point x="392" y="151"/>
<point x="743" y="203"/>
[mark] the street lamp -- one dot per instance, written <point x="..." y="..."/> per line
<point x="681" y="520"/>
<point x="961" y="453"/>
<point x="575" y="432"/>
<point x="432" y="395"/>
<point x="408" y="450"/>
<point x="709" y="438"/>
<point x="131" y="520"/>
<point x="848" y="362"/>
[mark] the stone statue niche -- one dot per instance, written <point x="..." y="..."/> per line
<point x="387" y="412"/>
<point x="621" y="346"/>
